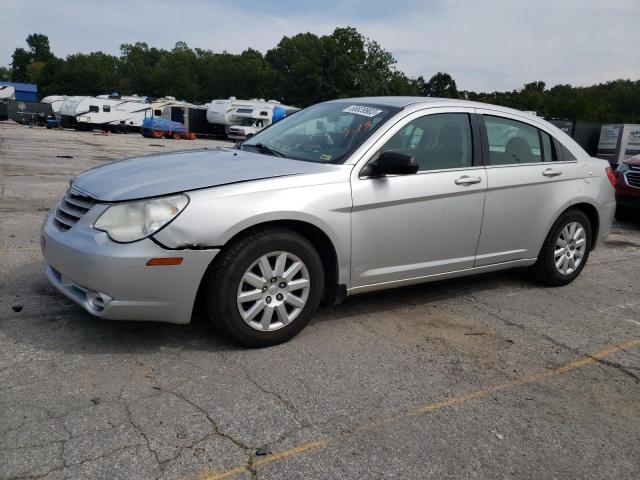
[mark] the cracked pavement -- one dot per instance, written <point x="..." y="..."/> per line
<point x="87" y="398"/>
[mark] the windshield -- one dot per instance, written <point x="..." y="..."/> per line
<point x="326" y="132"/>
<point x="247" y="122"/>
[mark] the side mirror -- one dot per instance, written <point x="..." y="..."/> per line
<point x="391" y="163"/>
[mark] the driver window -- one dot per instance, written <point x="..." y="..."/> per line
<point x="438" y="141"/>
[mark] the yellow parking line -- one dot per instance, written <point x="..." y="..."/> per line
<point x="431" y="407"/>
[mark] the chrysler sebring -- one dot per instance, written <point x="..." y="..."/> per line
<point x="344" y="197"/>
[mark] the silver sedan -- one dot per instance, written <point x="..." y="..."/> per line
<point x="344" y="197"/>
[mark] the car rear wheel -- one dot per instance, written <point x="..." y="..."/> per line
<point x="263" y="289"/>
<point x="565" y="250"/>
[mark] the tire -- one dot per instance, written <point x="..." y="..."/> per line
<point x="545" y="270"/>
<point x="626" y="214"/>
<point x="156" y="134"/>
<point x="225" y="281"/>
<point x="176" y="135"/>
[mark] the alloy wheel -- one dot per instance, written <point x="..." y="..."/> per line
<point x="273" y="291"/>
<point x="570" y="248"/>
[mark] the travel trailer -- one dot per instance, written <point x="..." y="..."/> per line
<point x="219" y="114"/>
<point x="68" y="110"/>
<point x="110" y="112"/>
<point x="56" y="102"/>
<point x="7" y="92"/>
<point x="160" y="106"/>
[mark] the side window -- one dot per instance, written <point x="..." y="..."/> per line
<point x="438" y="141"/>
<point x="563" y="152"/>
<point x="548" y="148"/>
<point x="106" y="108"/>
<point x="511" y="142"/>
<point x="94" y="108"/>
<point x="157" y="113"/>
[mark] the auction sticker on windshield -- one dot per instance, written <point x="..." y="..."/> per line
<point x="362" y="110"/>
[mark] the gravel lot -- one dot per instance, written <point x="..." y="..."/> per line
<point x="486" y="377"/>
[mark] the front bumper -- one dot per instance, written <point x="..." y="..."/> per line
<point x="112" y="281"/>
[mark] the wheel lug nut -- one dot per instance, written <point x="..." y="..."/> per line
<point x="264" y="289"/>
<point x="279" y="296"/>
<point x="268" y="300"/>
<point x="283" y="285"/>
<point x="274" y="280"/>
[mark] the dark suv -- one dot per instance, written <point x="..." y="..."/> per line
<point x="628" y="190"/>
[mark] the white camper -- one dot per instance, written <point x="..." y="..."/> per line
<point x="219" y="114"/>
<point x="110" y="112"/>
<point x="7" y="92"/>
<point x="56" y="102"/>
<point x="226" y="113"/>
<point x="161" y="107"/>
<point x="68" y="111"/>
<point x="251" y="117"/>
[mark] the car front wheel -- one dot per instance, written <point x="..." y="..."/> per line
<point x="263" y="289"/>
<point x="565" y="250"/>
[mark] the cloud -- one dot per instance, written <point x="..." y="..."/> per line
<point x="494" y="45"/>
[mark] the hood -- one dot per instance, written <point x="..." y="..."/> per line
<point x="166" y="173"/>
<point x="633" y="161"/>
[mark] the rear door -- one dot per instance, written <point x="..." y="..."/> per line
<point x="528" y="182"/>
<point x="405" y="227"/>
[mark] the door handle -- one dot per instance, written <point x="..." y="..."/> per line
<point x="550" y="172"/>
<point x="466" y="180"/>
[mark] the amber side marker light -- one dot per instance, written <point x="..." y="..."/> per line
<point x="154" y="262"/>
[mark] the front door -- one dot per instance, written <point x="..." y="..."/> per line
<point x="411" y="226"/>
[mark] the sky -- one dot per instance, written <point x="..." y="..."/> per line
<point x="486" y="45"/>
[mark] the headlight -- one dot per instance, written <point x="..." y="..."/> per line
<point x="623" y="167"/>
<point x="133" y="221"/>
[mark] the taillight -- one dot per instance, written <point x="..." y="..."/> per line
<point x="611" y="176"/>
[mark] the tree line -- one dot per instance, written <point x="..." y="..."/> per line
<point x="301" y="70"/>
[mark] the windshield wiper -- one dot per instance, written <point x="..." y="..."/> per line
<point x="268" y="150"/>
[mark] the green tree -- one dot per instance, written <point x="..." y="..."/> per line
<point x="136" y="67"/>
<point x="90" y="74"/>
<point x="5" y="73"/>
<point x="441" y="85"/>
<point x="175" y="73"/>
<point x="300" y="70"/>
<point x="298" y="66"/>
<point x="19" y="62"/>
<point x="39" y="47"/>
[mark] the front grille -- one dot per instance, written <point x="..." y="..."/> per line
<point x="71" y="209"/>
<point x="633" y="179"/>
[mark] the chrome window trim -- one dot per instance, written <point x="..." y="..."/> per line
<point x="532" y="164"/>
